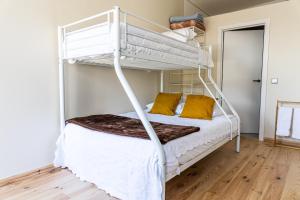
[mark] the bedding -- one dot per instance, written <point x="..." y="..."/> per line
<point x="185" y="34"/>
<point x="127" y="167"/>
<point x="166" y="103"/>
<point x="217" y="111"/>
<point x="126" y="126"/>
<point x="198" y="107"/>
<point x="197" y="16"/>
<point x="178" y="110"/>
<point x="149" y="106"/>
<point x="191" y="154"/>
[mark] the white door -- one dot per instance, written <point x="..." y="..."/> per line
<point x="242" y="68"/>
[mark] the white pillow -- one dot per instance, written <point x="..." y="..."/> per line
<point x="184" y="35"/>
<point x="178" y="110"/>
<point x="149" y="106"/>
<point x="217" y="111"/>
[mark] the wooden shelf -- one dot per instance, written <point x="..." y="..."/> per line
<point x="197" y="30"/>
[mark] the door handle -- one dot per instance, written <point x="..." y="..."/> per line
<point x="257" y="81"/>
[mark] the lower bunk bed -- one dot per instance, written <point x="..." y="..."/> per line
<point x="128" y="167"/>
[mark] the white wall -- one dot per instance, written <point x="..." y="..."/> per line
<point x="94" y="90"/>
<point x="28" y="85"/>
<point x="29" y="78"/>
<point x="284" y="50"/>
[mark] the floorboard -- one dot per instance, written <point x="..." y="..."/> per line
<point x="259" y="172"/>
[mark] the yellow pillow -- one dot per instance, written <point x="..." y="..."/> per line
<point x="198" y="107"/>
<point x="165" y="103"/>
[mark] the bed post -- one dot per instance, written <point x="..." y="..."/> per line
<point x="133" y="99"/>
<point x="161" y="81"/>
<point x="61" y="78"/>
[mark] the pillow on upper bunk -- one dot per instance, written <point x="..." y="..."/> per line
<point x="166" y="103"/>
<point x="198" y="107"/>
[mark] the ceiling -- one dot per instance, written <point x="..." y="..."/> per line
<point x="215" y="7"/>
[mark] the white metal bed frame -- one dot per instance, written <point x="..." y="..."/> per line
<point x="137" y="107"/>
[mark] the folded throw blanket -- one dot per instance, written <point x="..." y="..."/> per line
<point x="196" y="16"/>
<point x="126" y="126"/>
<point x="188" y="23"/>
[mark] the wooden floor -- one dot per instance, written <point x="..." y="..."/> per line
<point x="258" y="172"/>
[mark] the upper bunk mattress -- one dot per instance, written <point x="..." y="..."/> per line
<point x="140" y="48"/>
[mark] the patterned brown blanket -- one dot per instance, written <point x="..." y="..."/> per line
<point x="126" y="126"/>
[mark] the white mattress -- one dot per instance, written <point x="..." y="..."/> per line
<point x="126" y="167"/>
<point x="140" y="48"/>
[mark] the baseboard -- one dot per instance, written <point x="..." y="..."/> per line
<point x="20" y="177"/>
<point x="282" y="142"/>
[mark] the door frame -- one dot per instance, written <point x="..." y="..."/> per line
<point x="266" y="24"/>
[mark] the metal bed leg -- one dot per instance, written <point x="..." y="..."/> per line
<point x="61" y="79"/>
<point x="238" y="141"/>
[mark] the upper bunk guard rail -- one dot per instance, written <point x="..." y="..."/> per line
<point x="107" y="13"/>
<point x="85" y="47"/>
<point x="115" y="28"/>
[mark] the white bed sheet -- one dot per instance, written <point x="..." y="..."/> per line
<point x="154" y="49"/>
<point x="191" y="154"/>
<point x="126" y="167"/>
<point x="209" y="131"/>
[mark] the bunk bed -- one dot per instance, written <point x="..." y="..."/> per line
<point x="104" y="158"/>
